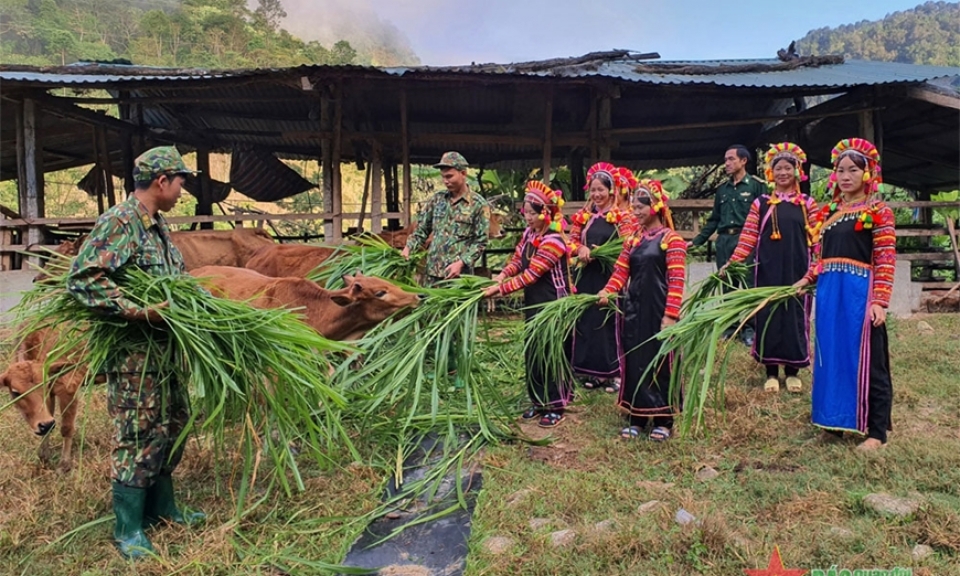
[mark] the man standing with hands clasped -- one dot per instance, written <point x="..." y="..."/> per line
<point x="731" y="204"/>
<point x="459" y="220"/>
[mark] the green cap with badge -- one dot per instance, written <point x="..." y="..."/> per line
<point x="157" y="161"/>
<point x="452" y="160"/>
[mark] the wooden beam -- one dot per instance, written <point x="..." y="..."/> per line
<point x="934" y="97"/>
<point x="30" y="170"/>
<point x="106" y="169"/>
<point x="363" y="197"/>
<point x="548" y="137"/>
<point x="335" y="162"/>
<point x="405" y="153"/>
<point x="603" y="126"/>
<point x="326" y="161"/>
<point x="205" y="201"/>
<point x="80" y="222"/>
<point x="376" y="190"/>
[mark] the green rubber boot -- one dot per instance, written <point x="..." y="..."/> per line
<point x="128" y="533"/>
<point x="161" y="505"/>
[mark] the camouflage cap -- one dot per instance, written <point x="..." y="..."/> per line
<point x="452" y="160"/>
<point x="157" y="161"/>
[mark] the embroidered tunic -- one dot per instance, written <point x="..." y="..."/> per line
<point x="596" y="340"/>
<point x="778" y="227"/>
<point x="539" y="267"/>
<point x="854" y="265"/>
<point x="652" y="268"/>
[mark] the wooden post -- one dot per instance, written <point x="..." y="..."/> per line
<point x="335" y="162"/>
<point x="604" y="125"/>
<point x="30" y="171"/>
<point x="548" y="138"/>
<point x="405" y="145"/>
<point x="592" y="124"/>
<point x="6" y="239"/>
<point x="103" y="158"/>
<point x="363" y="197"/>
<point x="326" y="163"/>
<point x="126" y="147"/>
<point x="205" y="200"/>
<point x="392" y="187"/>
<point x="376" y="190"/>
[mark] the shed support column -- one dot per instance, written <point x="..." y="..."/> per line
<point x="376" y="190"/>
<point x="548" y="138"/>
<point x="603" y="119"/>
<point x="405" y="145"/>
<point x="335" y="163"/>
<point x="326" y="165"/>
<point x="30" y="171"/>
<point x="205" y="201"/>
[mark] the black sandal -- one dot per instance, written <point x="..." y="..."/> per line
<point x="530" y="414"/>
<point x="591" y="383"/>
<point x="550" y="419"/>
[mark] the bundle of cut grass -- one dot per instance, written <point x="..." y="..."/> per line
<point x="734" y="277"/>
<point x="412" y="368"/>
<point x="374" y="257"/>
<point x="694" y="345"/>
<point x="548" y="335"/>
<point x="606" y="254"/>
<point x="262" y="369"/>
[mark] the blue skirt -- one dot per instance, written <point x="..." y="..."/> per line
<point x="841" y="362"/>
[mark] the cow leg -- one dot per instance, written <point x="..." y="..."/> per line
<point x="69" y="405"/>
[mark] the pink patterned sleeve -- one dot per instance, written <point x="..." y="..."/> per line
<point x="676" y="273"/>
<point x="548" y="254"/>
<point x="884" y="256"/>
<point x="749" y="235"/>
<point x="621" y="268"/>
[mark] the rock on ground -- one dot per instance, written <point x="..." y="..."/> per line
<point x="562" y="538"/>
<point x="921" y="551"/>
<point x="498" y="545"/>
<point x="893" y="505"/>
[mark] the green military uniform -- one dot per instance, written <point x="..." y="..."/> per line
<point x="731" y="204"/>
<point x="149" y="408"/>
<point x="459" y="227"/>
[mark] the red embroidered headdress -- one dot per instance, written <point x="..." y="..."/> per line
<point x="865" y="150"/>
<point x="653" y="189"/>
<point x="537" y="192"/>
<point x="786" y="150"/>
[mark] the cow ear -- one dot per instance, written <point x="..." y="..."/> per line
<point x="4" y="380"/>
<point x="57" y="367"/>
<point x="341" y="300"/>
<point x="356" y="288"/>
<point x="347" y="279"/>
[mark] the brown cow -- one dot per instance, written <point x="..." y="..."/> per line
<point x="220" y="247"/>
<point x="398" y="238"/>
<point x="283" y="260"/>
<point x="344" y="314"/>
<point x="37" y="401"/>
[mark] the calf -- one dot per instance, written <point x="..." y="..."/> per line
<point x="220" y="247"/>
<point x="345" y="314"/>
<point x="289" y="260"/>
<point x="36" y="400"/>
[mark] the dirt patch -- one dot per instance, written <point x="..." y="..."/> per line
<point x="404" y="570"/>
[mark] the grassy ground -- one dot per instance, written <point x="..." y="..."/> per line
<point x="776" y="486"/>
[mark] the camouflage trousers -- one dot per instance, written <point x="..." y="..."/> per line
<point x="149" y="412"/>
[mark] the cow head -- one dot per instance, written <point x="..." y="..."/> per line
<point x="374" y="298"/>
<point x="25" y="382"/>
<point x="68" y="248"/>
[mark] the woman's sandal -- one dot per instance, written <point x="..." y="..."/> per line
<point x="591" y="384"/>
<point x="530" y="414"/>
<point x="660" y="434"/>
<point x="613" y="386"/>
<point x="794" y="384"/>
<point x="550" y="419"/>
<point x="630" y="433"/>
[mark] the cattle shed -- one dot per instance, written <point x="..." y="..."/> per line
<point x="628" y="108"/>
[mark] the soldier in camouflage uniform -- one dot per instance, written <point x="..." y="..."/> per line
<point x="459" y="220"/>
<point x="731" y="204"/>
<point x="149" y="408"/>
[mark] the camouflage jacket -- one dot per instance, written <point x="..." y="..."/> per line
<point x="125" y="235"/>
<point x="459" y="230"/>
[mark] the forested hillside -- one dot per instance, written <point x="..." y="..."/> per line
<point x="927" y="34"/>
<point x="181" y="33"/>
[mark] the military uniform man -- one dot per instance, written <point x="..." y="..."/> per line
<point x="731" y="204"/>
<point x="149" y="408"/>
<point x="459" y="220"/>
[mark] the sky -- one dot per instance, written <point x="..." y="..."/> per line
<point x="449" y="32"/>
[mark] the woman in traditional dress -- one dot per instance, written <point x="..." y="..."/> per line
<point x="853" y="268"/>
<point x="606" y="217"/>
<point x="780" y="226"/>
<point x="540" y="268"/>
<point x="651" y="268"/>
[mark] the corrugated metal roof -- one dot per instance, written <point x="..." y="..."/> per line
<point x="716" y="72"/>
